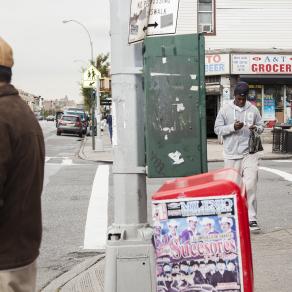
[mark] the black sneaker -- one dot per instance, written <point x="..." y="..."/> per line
<point x="253" y="226"/>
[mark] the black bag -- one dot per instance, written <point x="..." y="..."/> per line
<point x="254" y="142"/>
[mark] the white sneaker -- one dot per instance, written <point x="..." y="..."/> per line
<point x="253" y="226"/>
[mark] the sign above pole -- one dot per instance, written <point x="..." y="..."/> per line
<point x="152" y="17"/>
<point x="90" y="77"/>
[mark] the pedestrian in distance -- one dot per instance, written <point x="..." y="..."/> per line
<point x="234" y="122"/>
<point x="109" y="122"/>
<point x="22" y="153"/>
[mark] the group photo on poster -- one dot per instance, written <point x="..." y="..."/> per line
<point x="196" y="246"/>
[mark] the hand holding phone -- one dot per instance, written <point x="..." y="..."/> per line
<point x="238" y="125"/>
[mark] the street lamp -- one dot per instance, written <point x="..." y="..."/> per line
<point x="81" y="61"/>
<point x="89" y="36"/>
<point x="96" y="98"/>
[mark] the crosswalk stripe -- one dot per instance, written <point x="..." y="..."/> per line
<point x="63" y="161"/>
<point x="97" y="215"/>
<point x="67" y="161"/>
<point x="287" y="176"/>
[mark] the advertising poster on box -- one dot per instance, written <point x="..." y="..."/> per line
<point x="269" y="110"/>
<point x="197" y="245"/>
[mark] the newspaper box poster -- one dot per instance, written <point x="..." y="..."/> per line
<point x="197" y="245"/>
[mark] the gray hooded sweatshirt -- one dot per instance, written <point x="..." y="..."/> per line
<point x="236" y="142"/>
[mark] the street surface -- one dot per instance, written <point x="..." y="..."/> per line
<point x="66" y="200"/>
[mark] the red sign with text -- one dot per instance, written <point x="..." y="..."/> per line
<point x="261" y="64"/>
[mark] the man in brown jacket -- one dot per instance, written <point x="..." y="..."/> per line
<point x="22" y="154"/>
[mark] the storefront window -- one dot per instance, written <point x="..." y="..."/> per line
<point x="273" y="100"/>
<point x="255" y="96"/>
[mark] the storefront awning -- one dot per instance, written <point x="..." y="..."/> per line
<point x="267" y="79"/>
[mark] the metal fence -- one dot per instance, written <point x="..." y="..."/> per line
<point x="282" y="140"/>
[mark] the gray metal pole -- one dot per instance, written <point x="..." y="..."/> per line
<point x="98" y="141"/>
<point x="87" y="31"/>
<point x="93" y="94"/>
<point x="129" y="252"/>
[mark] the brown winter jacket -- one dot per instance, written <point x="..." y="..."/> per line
<point x="22" y="153"/>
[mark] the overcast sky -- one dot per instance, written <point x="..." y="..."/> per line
<point x="45" y="49"/>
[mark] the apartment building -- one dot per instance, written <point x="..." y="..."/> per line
<point x="245" y="40"/>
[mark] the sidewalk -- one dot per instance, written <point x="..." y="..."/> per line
<point x="89" y="276"/>
<point x="214" y="151"/>
<point x="106" y="155"/>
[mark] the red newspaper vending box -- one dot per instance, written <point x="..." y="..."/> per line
<point x="201" y="234"/>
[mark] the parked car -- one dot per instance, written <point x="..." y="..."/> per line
<point x="50" y="118"/>
<point x="81" y="113"/>
<point x="70" y="124"/>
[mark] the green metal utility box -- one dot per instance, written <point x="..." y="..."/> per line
<point x="175" y="105"/>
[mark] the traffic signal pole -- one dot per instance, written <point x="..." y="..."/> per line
<point x="93" y="117"/>
<point x="98" y="143"/>
<point x="129" y="252"/>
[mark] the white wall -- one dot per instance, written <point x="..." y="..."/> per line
<point x="187" y="17"/>
<point x="254" y="24"/>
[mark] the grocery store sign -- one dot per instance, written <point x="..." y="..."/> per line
<point x="216" y="64"/>
<point x="261" y="64"/>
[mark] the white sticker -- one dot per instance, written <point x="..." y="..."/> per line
<point x="164" y="60"/>
<point x="169" y="130"/>
<point x="164" y="74"/>
<point x="194" y="88"/>
<point x="180" y="107"/>
<point x="193" y="76"/>
<point x="176" y="157"/>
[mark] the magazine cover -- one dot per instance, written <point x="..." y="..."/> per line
<point x="196" y="244"/>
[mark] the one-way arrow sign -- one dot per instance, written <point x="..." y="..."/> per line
<point x="150" y="17"/>
<point x="150" y="25"/>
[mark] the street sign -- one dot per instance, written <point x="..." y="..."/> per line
<point x="106" y="102"/>
<point x="152" y="18"/>
<point x="90" y="77"/>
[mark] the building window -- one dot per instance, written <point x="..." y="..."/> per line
<point x="206" y="16"/>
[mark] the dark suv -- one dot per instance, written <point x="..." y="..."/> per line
<point x="70" y="124"/>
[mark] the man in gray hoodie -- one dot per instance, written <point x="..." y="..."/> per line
<point x="234" y="122"/>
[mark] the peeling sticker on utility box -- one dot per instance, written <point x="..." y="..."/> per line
<point x="176" y="157"/>
<point x="180" y="107"/>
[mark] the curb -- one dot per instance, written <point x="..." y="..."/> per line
<point x="83" y="156"/>
<point x="56" y="284"/>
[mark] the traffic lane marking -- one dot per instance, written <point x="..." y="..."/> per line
<point x="285" y="175"/>
<point x="97" y="215"/>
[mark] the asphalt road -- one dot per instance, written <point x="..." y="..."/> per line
<point x="67" y="190"/>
